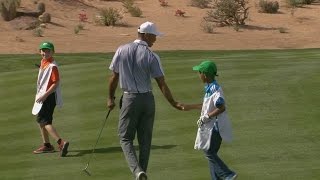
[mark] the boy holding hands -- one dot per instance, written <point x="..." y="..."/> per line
<point x="213" y="123"/>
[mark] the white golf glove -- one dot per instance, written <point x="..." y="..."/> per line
<point x="202" y="120"/>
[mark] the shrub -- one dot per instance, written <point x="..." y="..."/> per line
<point x="308" y="1"/>
<point x="179" y="13"/>
<point x="127" y="4"/>
<point x="98" y="20"/>
<point x="38" y="32"/>
<point x="8" y="9"/>
<point x="83" y="16"/>
<point x="43" y="25"/>
<point x="45" y="18"/>
<point x="282" y="30"/>
<point x="295" y="3"/>
<point x="299" y="3"/>
<point x="207" y="27"/>
<point x="163" y="3"/>
<point x="268" y="6"/>
<point x="77" y="29"/>
<point x="135" y="11"/>
<point x="201" y="3"/>
<point x="110" y="16"/>
<point x="41" y="7"/>
<point x="80" y="26"/>
<point x="228" y="12"/>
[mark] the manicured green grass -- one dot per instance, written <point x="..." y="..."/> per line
<point x="272" y="97"/>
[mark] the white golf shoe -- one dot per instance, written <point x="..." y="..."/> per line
<point x="232" y="177"/>
<point x="141" y="176"/>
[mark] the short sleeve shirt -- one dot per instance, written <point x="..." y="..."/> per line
<point x="136" y="65"/>
<point x="213" y="97"/>
<point x="54" y="77"/>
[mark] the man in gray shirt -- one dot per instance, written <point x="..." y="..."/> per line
<point x="133" y="65"/>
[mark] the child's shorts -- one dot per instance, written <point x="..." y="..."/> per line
<point x="45" y="115"/>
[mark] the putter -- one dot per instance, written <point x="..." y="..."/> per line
<point x="94" y="147"/>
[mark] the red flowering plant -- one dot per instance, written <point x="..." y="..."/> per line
<point x="83" y="16"/>
<point x="163" y="3"/>
<point x="179" y="13"/>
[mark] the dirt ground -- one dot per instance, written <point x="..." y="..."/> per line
<point x="181" y="33"/>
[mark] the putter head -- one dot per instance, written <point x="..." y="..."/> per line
<point x="86" y="170"/>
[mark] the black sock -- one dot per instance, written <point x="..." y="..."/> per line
<point x="59" y="141"/>
<point x="47" y="145"/>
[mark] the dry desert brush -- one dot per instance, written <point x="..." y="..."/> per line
<point x="41" y="7"/>
<point x="135" y="11"/>
<point x="45" y="18"/>
<point x="8" y="9"/>
<point x="268" y="6"/>
<point x="200" y="3"/>
<point x="298" y="3"/>
<point x="228" y="12"/>
<point x="110" y="16"/>
<point x="163" y="3"/>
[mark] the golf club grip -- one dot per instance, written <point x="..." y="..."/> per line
<point x="108" y="113"/>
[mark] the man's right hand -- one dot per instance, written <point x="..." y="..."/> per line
<point x="110" y="103"/>
<point x="178" y="106"/>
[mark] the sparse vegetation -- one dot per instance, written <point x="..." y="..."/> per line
<point x="298" y="3"/>
<point x="282" y="30"/>
<point x="78" y="28"/>
<point x="228" y="12"/>
<point x="8" y="9"/>
<point x="135" y="11"/>
<point x="294" y="3"/>
<point x="83" y="16"/>
<point x="127" y="4"/>
<point x="163" y="3"/>
<point x="110" y="16"/>
<point x="207" y="27"/>
<point x="308" y="1"/>
<point x="41" y="7"/>
<point x="45" y="18"/>
<point x="43" y="25"/>
<point x="82" y="19"/>
<point x="38" y="32"/>
<point x="179" y="13"/>
<point x="201" y="3"/>
<point x="268" y="6"/>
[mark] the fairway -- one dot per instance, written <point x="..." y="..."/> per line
<point x="273" y="100"/>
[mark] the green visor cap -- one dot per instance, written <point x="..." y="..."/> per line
<point x="46" y="45"/>
<point x="207" y="67"/>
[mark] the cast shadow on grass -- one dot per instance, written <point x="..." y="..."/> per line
<point x="78" y="153"/>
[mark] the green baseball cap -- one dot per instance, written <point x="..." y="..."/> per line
<point x="206" y="67"/>
<point x="46" y="45"/>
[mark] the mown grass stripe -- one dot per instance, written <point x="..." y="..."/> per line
<point x="272" y="100"/>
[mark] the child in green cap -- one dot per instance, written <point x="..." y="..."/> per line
<point x="213" y="124"/>
<point x="47" y="97"/>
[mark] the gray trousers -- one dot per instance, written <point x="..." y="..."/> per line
<point x="136" y="116"/>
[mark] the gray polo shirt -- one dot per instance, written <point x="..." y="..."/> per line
<point x="136" y="65"/>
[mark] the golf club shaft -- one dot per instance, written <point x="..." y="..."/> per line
<point x="94" y="147"/>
